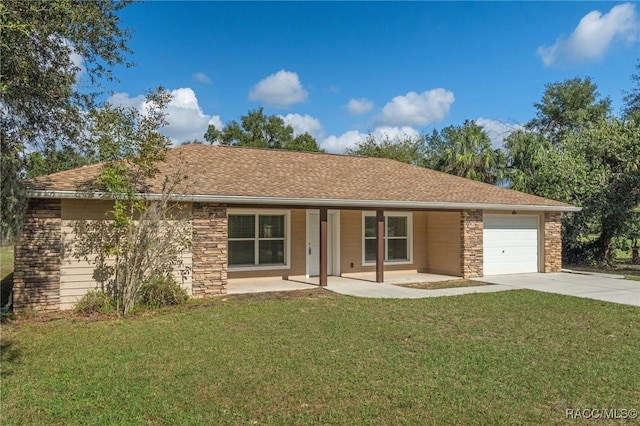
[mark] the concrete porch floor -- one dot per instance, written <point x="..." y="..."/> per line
<point x="355" y="284"/>
<point x="301" y="282"/>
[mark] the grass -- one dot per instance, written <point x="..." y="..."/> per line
<point x="443" y="284"/>
<point x="620" y="267"/>
<point x="6" y="273"/>
<point x="319" y="358"/>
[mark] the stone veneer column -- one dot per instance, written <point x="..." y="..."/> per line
<point x="552" y="242"/>
<point x="36" y="277"/>
<point x="209" y="249"/>
<point x="471" y="243"/>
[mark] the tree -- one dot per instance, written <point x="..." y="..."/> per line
<point x="47" y="161"/>
<point x="45" y="47"/>
<point x="611" y="149"/>
<point x="632" y="97"/>
<point x="259" y="130"/>
<point x="597" y="168"/>
<point x="405" y="149"/>
<point x="526" y="152"/>
<point x="144" y="241"/>
<point x="465" y="151"/>
<point x="568" y="106"/>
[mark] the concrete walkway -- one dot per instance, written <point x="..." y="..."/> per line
<point x="359" y="288"/>
<point x="361" y="285"/>
<point x="605" y="287"/>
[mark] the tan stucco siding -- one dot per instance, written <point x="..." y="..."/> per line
<point x="76" y="274"/>
<point x="443" y="243"/>
<point x="298" y="243"/>
<point x="351" y="241"/>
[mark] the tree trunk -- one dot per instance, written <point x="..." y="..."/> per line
<point x="604" y="248"/>
<point x="635" y="258"/>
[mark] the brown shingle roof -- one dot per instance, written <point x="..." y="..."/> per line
<point x="251" y="172"/>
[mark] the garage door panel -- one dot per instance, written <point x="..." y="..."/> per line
<point x="510" y="244"/>
<point x="499" y="244"/>
<point x="511" y="222"/>
<point x="497" y="254"/>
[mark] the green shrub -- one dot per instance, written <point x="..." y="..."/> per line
<point x="161" y="291"/>
<point x="94" y="302"/>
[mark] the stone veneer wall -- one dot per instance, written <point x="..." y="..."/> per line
<point x="471" y="229"/>
<point x="209" y="249"/>
<point x="36" y="278"/>
<point x="552" y="242"/>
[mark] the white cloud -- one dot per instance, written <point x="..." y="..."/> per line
<point x="303" y="123"/>
<point x="394" y="133"/>
<point x="497" y="130"/>
<point x="414" y="108"/>
<point x="593" y="36"/>
<point x="359" y="106"/>
<point x="78" y="61"/>
<point x="124" y="100"/>
<point x="280" y="90"/>
<point x="202" y="78"/>
<point x="338" y="144"/>
<point x="186" y="121"/>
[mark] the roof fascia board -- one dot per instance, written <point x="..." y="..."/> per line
<point x="311" y="202"/>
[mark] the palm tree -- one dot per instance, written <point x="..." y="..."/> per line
<point x="465" y="151"/>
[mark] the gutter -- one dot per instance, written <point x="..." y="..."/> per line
<point x="311" y="202"/>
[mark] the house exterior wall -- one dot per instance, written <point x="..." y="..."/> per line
<point x="552" y="242"/>
<point x="49" y="277"/>
<point x="471" y="230"/>
<point x="351" y="241"/>
<point x="443" y="243"/>
<point x="297" y="246"/>
<point x="36" y="279"/>
<point x="76" y="273"/>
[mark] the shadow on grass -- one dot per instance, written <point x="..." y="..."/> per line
<point x="6" y="288"/>
<point x="9" y="356"/>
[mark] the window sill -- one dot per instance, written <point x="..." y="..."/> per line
<point x="389" y="262"/>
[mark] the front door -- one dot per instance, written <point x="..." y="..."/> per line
<point x="313" y="243"/>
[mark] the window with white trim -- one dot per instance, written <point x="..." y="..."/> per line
<point x="257" y="239"/>
<point x="397" y="238"/>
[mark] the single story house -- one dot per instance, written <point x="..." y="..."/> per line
<point x="265" y="213"/>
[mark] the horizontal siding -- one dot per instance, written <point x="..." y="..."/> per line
<point x="86" y="209"/>
<point x="76" y="275"/>
<point x="350" y="241"/>
<point x="92" y="209"/>
<point x="443" y="243"/>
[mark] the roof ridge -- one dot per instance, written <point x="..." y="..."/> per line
<point x="267" y="149"/>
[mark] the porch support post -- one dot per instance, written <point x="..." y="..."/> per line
<point x="379" y="246"/>
<point x="323" y="246"/>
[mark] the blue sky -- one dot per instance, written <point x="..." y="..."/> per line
<point x="341" y="70"/>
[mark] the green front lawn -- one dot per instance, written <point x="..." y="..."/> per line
<point x="319" y="358"/>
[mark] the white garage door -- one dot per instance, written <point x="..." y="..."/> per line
<point x="510" y="244"/>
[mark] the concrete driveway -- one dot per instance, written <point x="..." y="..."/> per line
<point x="608" y="288"/>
